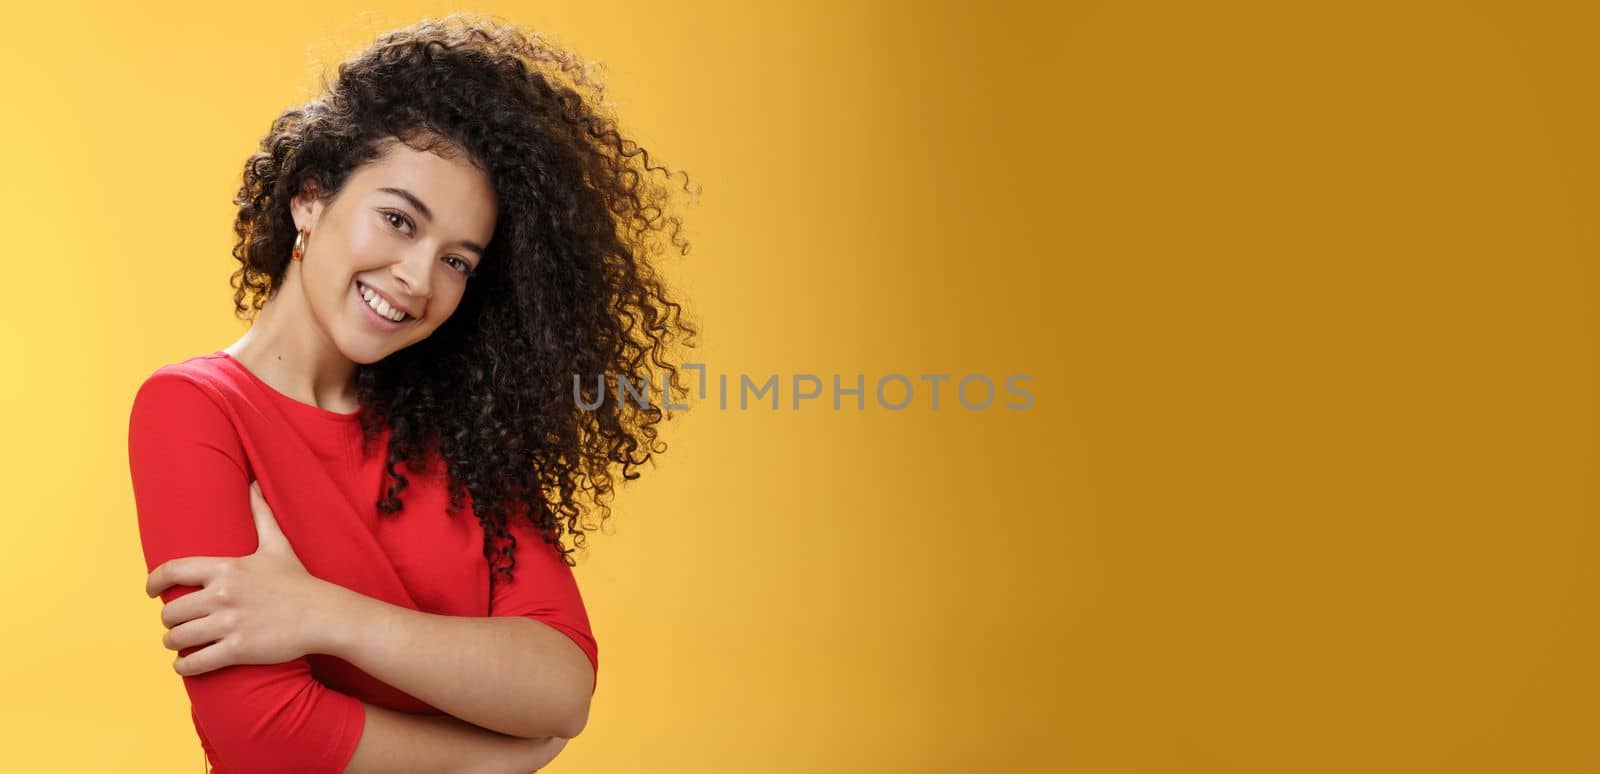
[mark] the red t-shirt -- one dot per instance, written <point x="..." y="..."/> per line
<point x="199" y="432"/>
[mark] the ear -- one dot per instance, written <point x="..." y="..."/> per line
<point x="306" y="206"/>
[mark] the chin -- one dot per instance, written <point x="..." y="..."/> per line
<point x="364" y="354"/>
<point x="367" y="360"/>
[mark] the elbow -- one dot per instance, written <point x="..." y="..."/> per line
<point x="577" y="720"/>
<point x="572" y="721"/>
<point x="306" y="727"/>
<point x="579" y="697"/>
<point x="248" y="757"/>
<point x="567" y="726"/>
<point x="238" y="750"/>
<point x="578" y="716"/>
<point x="552" y="723"/>
<point x="570" y="731"/>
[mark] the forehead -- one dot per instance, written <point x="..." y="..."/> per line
<point x="457" y="194"/>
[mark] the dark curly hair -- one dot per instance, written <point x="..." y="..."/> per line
<point x="565" y="288"/>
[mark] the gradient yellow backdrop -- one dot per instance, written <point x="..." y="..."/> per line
<point x="1306" y="292"/>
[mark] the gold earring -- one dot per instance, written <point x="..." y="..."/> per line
<point x="299" y="250"/>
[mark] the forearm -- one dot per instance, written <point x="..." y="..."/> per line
<point x="508" y="674"/>
<point x="401" y="743"/>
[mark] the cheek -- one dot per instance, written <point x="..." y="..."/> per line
<point x="442" y="308"/>
<point x="362" y="242"/>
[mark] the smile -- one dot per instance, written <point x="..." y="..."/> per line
<point x="378" y="310"/>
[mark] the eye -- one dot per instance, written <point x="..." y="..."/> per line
<point x="397" y="219"/>
<point x="392" y="216"/>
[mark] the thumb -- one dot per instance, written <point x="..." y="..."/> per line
<point x="267" y="531"/>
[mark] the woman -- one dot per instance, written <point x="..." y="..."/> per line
<point x="436" y="248"/>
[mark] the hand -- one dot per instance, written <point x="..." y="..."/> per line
<point x="256" y="609"/>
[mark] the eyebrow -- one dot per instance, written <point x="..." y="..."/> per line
<point x="427" y="214"/>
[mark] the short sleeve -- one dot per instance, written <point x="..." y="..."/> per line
<point x="191" y="491"/>
<point x="543" y="588"/>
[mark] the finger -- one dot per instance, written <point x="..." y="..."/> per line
<point x="186" y="571"/>
<point x="200" y="631"/>
<point x="214" y="656"/>
<point x="188" y="607"/>
<point x="267" y="532"/>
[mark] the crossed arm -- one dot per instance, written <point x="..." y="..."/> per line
<point x="515" y="688"/>
<point x="510" y="674"/>
<point x="527" y="680"/>
<point x="401" y="743"/>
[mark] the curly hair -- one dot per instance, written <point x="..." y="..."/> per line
<point x="566" y="287"/>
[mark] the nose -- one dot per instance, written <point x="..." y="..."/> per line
<point x="414" y="275"/>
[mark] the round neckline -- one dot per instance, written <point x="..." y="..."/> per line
<point x="301" y="407"/>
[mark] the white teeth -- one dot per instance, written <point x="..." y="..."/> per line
<point x="380" y="306"/>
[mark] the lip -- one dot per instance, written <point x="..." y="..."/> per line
<point x="393" y="304"/>
<point x="378" y="320"/>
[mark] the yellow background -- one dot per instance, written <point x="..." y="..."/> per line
<point x="1307" y="293"/>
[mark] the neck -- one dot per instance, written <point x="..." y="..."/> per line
<point x="286" y="348"/>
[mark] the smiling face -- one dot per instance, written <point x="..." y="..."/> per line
<point x="405" y="231"/>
